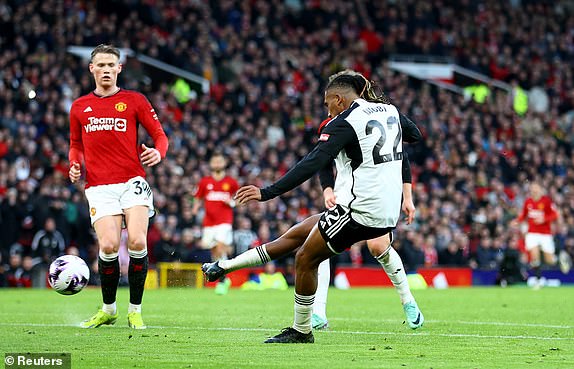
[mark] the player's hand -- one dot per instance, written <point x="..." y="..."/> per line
<point x="246" y="194"/>
<point x="74" y="173"/>
<point x="150" y="156"/>
<point x="409" y="209"/>
<point x="329" y="198"/>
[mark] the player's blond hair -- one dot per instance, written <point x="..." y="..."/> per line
<point x="104" y="49"/>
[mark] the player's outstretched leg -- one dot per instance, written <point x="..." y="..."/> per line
<point x="284" y="245"/>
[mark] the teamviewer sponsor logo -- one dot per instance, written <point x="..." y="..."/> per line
<point x="106" y="124"/>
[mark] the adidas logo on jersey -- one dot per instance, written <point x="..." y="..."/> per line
<point x="88" y="109"/>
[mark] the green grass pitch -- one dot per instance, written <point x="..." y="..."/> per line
<point x="188" y="328"/>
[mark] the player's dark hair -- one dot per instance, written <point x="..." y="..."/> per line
<point x="358" y="83"/>
<point x="104" y="49"/>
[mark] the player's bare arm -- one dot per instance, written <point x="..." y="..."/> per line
<point x="408" y="206"/>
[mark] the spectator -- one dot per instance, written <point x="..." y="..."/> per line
<point x="16" y="274"/>
<point x="48" y="244"/>
<point x="269" y="279"/>
<point x="513" y="265"/>
<point x="3" y="281"/>
<point x="451" y="256"/>
<point x="486" y="256"/>
<point x="244" y="237"/>
<point x="253" y="63"/>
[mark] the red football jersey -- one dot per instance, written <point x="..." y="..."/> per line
<point x="104" y="134"/>
<point x="544" y="210"/>
<point x="216" y="196"/>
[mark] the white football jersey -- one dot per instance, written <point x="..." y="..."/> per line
<point x="369" y="165"/>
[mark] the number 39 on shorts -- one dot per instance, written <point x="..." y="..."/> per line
<point x="140" y="187"/>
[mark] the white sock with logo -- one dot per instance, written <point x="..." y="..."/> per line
<point x="323" y="278"/>
<point x="393" y="266"/>
<point x="252" y="257"/>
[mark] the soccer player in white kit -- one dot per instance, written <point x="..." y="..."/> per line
<point x="365" y="140"/>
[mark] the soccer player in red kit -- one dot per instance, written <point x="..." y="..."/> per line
<point x="104" y="141"/>
<point x="216" y="192"/>
<point x="539" y="212"/>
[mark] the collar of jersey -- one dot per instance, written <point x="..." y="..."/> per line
<point x="103" y="97"/>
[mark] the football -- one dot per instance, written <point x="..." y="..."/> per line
<point x="68" y="275"/>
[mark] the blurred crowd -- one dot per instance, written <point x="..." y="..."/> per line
<point x="268" y="62"/>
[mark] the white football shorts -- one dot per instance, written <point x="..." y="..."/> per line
<point x="545" y="241"/>
<point x="219" y="233"/>
<point x="113" y="199"/>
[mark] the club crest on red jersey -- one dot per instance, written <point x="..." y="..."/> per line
<point x="121" y="106"/>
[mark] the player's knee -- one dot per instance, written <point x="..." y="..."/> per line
<point x="304" y="260"/>
<point x="137" y="243"/>
<point x="378" y="247"/>
<point x="109" y="246"/>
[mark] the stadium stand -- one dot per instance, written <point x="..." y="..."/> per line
<point x="268" y="62"/>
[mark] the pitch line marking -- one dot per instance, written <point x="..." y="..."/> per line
<point x="413" y="334"/>
<point x="466" y="322"/>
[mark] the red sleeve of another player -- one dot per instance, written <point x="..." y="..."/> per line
<point x="76" y="153"/>
<point x="200" y="189"/>
<point x="323" y="124"/>
<point x="522" y="215"/>
<point x="148" y="118"/>
<point x="234" y="186"/>
<point x="550" y="210"/>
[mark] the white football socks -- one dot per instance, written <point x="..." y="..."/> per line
<point x="303" y="311"/>
<point x="393" y="266"/>
<point x="251" y="257"/>
<point x="323" y="278"/>
<point x="133" y="308"/>
<point x="109" y="308"/>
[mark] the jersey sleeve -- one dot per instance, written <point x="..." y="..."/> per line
<point x="411" y="132"/>
<point x="76" y="152"/>
<point x="334" y="137"/>
<point x="551" y="214"/>
<point x="407" y="176"/>
<point x="148" y="118"/>
<point x="200" y="189"/>
<point x="326" y="176"/>
<point x="524" y="211"/>
<point x="234" y="186"/>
